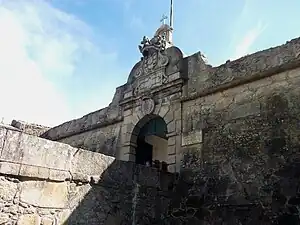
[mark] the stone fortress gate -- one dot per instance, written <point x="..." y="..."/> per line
<point x="170" y="100"/>
<point x="148" y="107"/>
<point x="151" y="103"/>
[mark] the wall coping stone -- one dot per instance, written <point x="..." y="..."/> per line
<point x="25" y="155"/>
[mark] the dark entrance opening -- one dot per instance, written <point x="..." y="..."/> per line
<point x="144" y="150"/>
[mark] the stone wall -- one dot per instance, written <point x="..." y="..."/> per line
<point x="252" y="100"/>
<point x="97" y="131"/>
<point x="241" y="150"/>
<point x="49" y="183"/>
<point x="103" y="140"/>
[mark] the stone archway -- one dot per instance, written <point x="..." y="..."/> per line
<point x="149" y="138"/>
<point x="136" y="118"/>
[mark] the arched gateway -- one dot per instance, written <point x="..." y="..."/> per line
<point x="151" y="129"/>
<point x="151" y="141"/>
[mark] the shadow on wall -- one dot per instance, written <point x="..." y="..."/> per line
<point x="126" y="194"/>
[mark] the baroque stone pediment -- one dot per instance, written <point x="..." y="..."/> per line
<point x="155" y="67"/>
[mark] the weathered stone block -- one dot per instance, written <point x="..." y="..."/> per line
<point x="41" y="152"/>
<point x="82" y="161"/>
<point x="8" y="190"/>
<point x="11" y="148"/>
<point x="128" y="157"/>
<point x="44" y="194"/>
<point x="2" y="138"/>
<point x="178" y="126"/>
<point x="34" y="171"/>
<point x="172" y="127"/>
<point x="4" y="218"/>
<point x="171" y="159"/>
<point x="20" y="147"/>
<point x="248" y="109"/>
<point x="127" y="112"/>
<point x="127" y="149"/>
<point x="29" y="219"/>
<point x="171" y="149"/>
<point x="169" y="117"/>
<point x="81" y="177"/>
<point x="9" y="168"/>
<point x="59" y="175"/>
<point x="171" y="140"/>
<point x="127" y="120"/>
<point x="46" y="221"/>
<point x="163" y="110"/>
<point x="128" y="94"/>
<point x="191" y="138"/>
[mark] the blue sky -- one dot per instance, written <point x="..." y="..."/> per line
<point x="61" y="59"/>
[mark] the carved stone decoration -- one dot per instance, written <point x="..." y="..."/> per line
<point x="151" y="71"/>
<point x="148" y="106"/>
<point x="150" y="62"/>
<point x="139" y="72"/>
<point x="136" y="89"/>
<point x="148" y="47"/>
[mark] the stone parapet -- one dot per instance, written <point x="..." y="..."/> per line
<point x="92" y="121"/>
<point x="205" y="79"/>
<point x="30" y="156"/>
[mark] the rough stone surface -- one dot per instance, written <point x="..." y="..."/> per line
<point x="82" y="161"/>
<point x="28" y="128"/>
<point x="44" y="194"/>
<point x="7" y="189"/>
<point x="29" y="219"/>
<point x="103" y="140"/>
